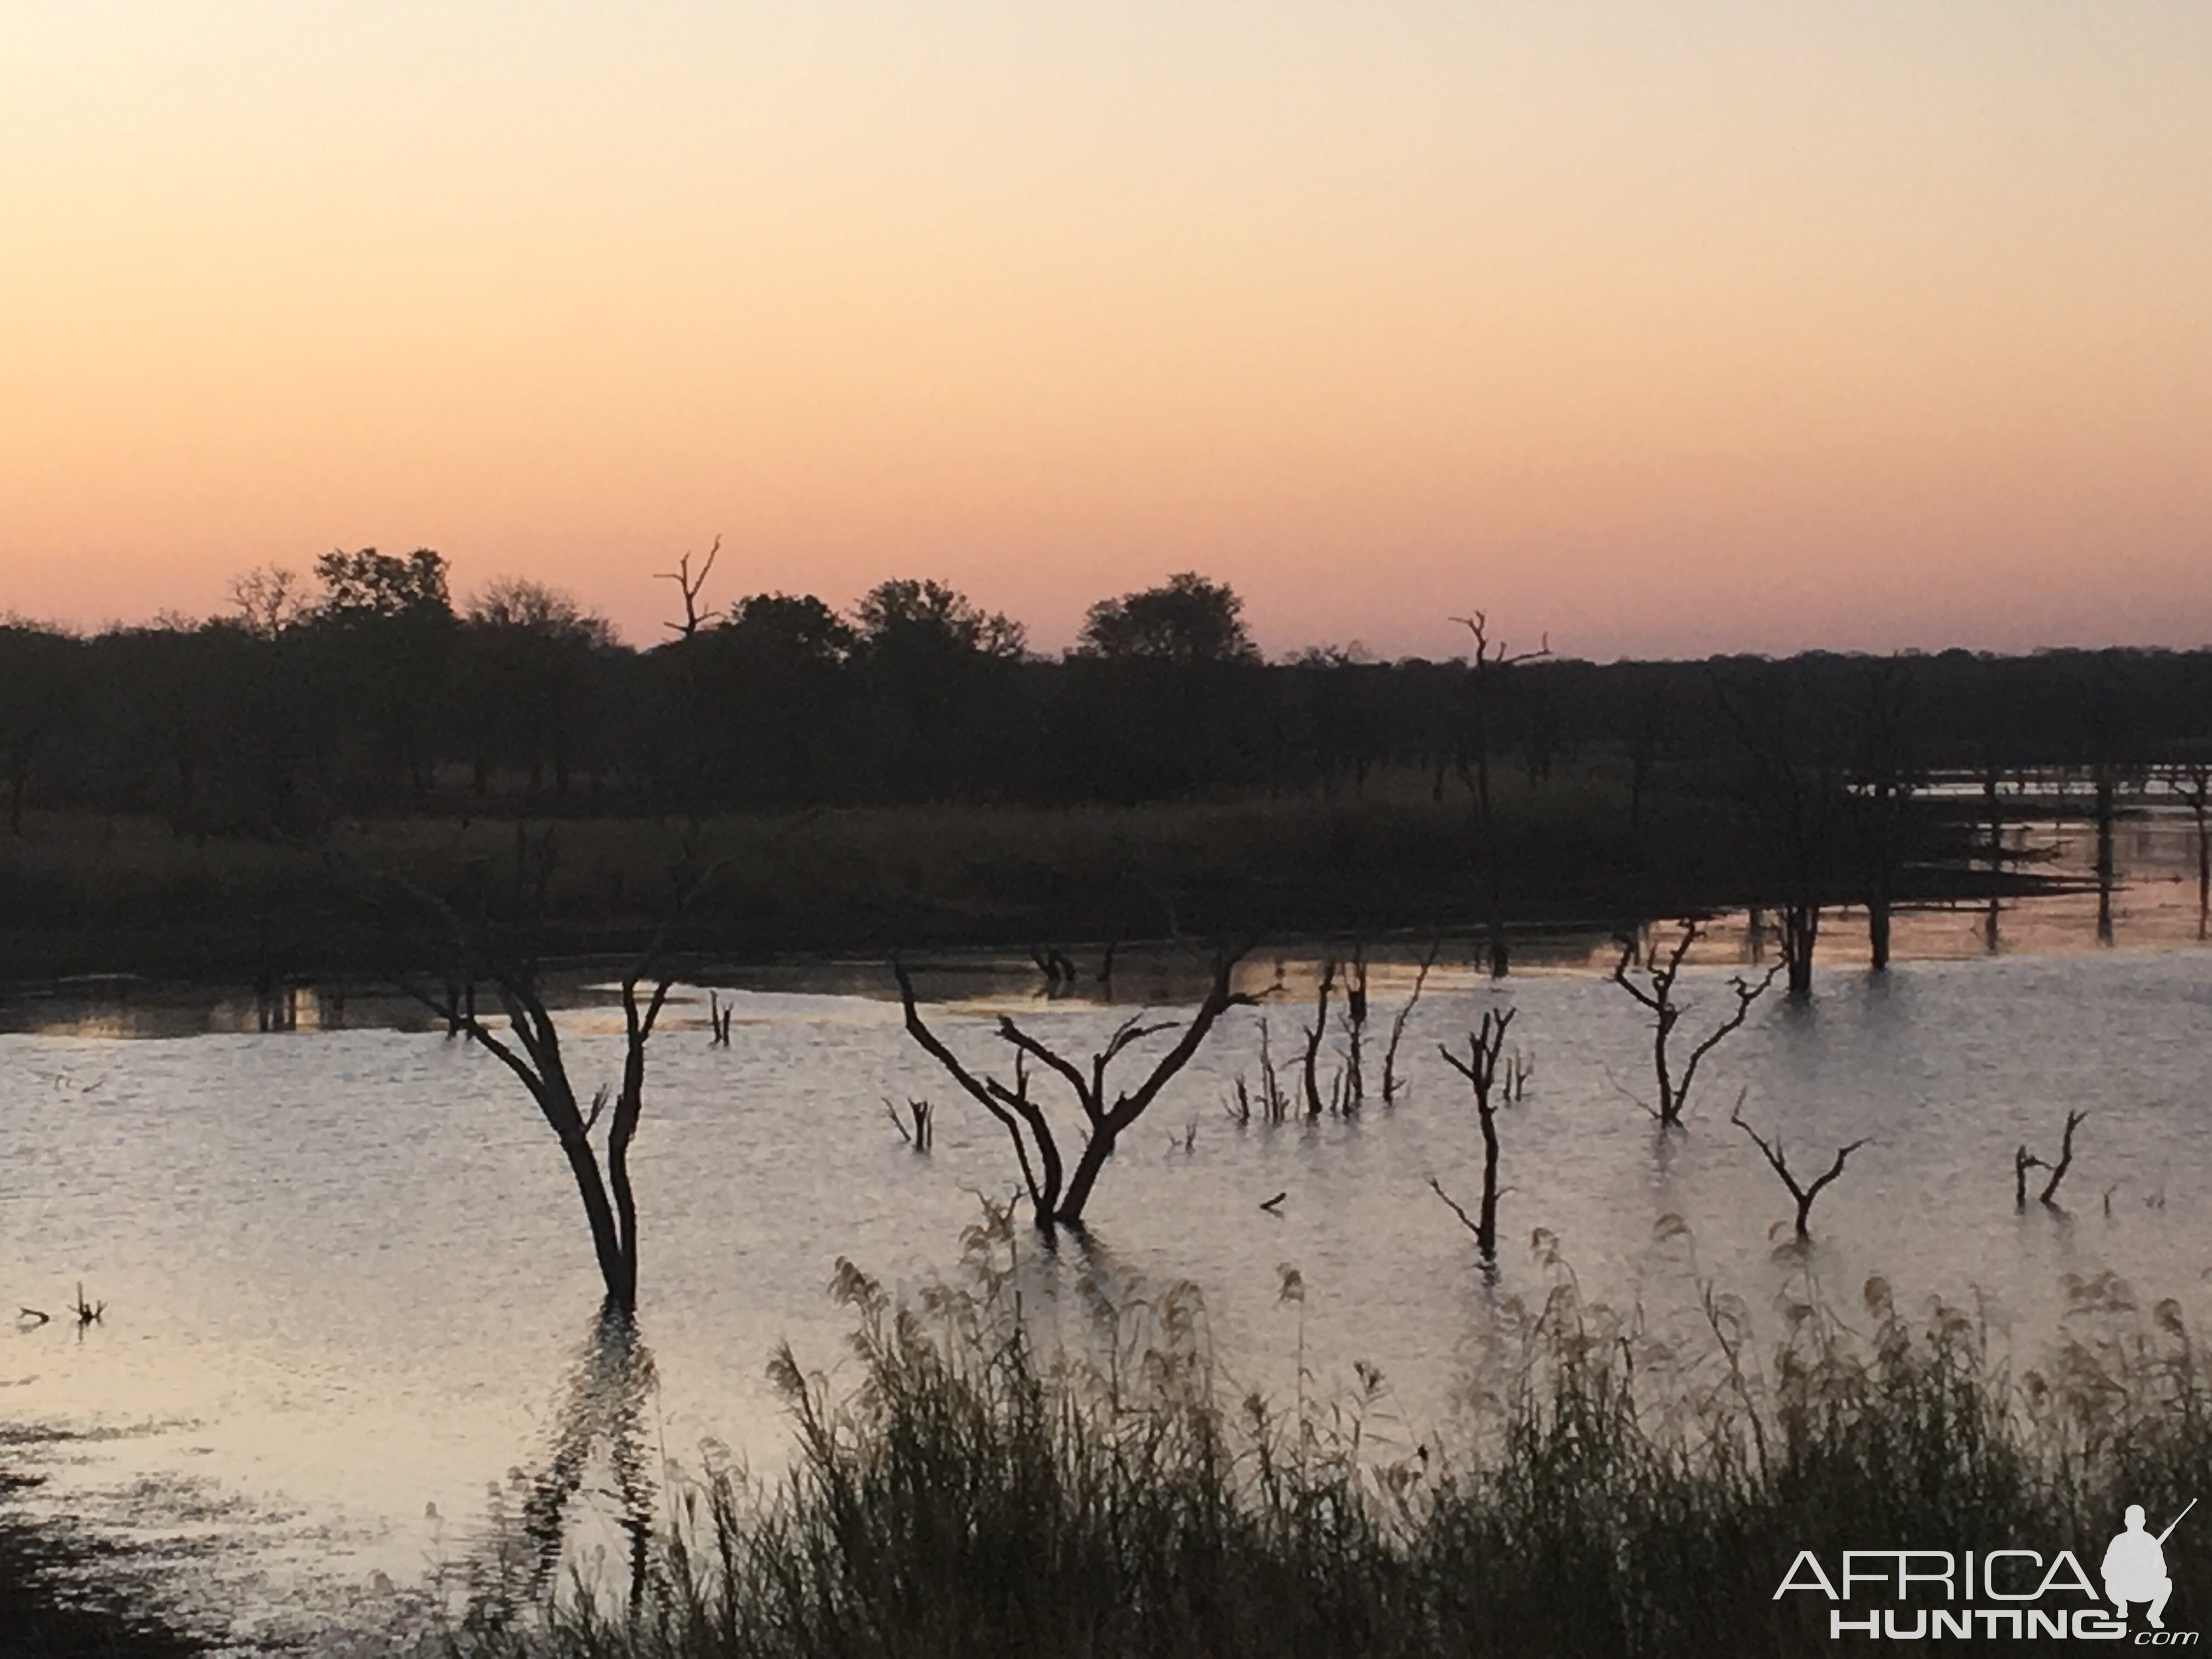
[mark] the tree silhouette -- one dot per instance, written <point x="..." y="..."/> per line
<point x="1187" y="620"/>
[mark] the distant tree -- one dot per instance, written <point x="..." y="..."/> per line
<point x="388" y="623"/>
<point x="1188" y="620"/>
<point x="36" y="688"/>
<point x="781" y="658"/>
<point x="794" y="627"/>
<point x="919" y="617"/>
<point x="372" y="584"/>
<point x="1786" y="719"/>
<point x="1486" y="674"/>
<point x="267" y="600"/>
<point x="1882" y="778"/>
<point x="525" y="678"/>
<point x="517" y="602"/>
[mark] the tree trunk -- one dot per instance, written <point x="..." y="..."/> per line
<point x="1800" y="931"/>
<point x="1878" y="930"/>
<point x="2203" y="874"/>
<point x="1095" y="1151"/>
<point x="2104" y="855"/>
<point x="615" y="1267"/>
<point x="1485" y="1234"/>
<point x="1494" y="924"/>
<point x="1884" y="875"/>
<point x="1670" y="1108"/>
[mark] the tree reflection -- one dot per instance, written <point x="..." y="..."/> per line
<point x="597" y="1465"/>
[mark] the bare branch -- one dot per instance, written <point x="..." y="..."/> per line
<point x="1013" y="1108"/>
<point x="1390" y="1082"/>
<point x="2050" y="1194"/>
<point x="1779" y="1161"/>
<point x="1022" y="1040"/>
<point x="1641" y="973"/>
<point x="1457" y="1209"/>
<point x="691" y="586"/>
<point x="1747" y="993"/>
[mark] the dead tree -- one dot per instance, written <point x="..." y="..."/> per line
<point x="531" y="1049"/>
<point x="1056" y="1198"/>
<point x="1274" y="1100"/>
<point x="1480" y="1068"/>
<point x="1316" y="1034"/>
<point x="1992" y="777"/>
<point x="1778" y="1162"/>
<point x="1885" y="780"/>
<point x="1792" y="787"/>
<point x="920" y="1111"/>
<point x="1354" y="1092"/>
<point x="1060" y="974"/>
<point x="1485" y="672"/>
<point x="2106" y="782"/>
<point x="1652" y="983"/>
<point x="2193" y="784"/>
<point x="691" y="587"/>
<point x="2023" y="1161"/>
<point x="1391" y="1083"/>
<point x="1519" y="1068"/>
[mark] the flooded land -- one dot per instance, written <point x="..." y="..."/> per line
<point x="347" y="1338"/>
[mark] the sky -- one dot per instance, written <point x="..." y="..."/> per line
<point x="1723" y="324"/>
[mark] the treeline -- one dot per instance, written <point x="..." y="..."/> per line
<point x="370" y="691"/>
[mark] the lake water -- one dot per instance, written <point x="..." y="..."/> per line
<point x="348" y="1288"/>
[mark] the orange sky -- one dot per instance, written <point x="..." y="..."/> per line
<point x="1669" y="329"/>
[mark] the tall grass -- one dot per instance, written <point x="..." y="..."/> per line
<point x="1622" y="1493"/>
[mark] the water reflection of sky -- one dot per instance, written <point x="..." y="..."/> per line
<point x="349" y="1293"/>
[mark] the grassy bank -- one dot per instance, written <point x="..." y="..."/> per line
<point x="89" y="894"/>
<point x="1623" y="1495"/>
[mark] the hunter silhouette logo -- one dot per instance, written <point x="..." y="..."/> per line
<point x="2014" y="1594"/>
<point x="2135" y="1565"/>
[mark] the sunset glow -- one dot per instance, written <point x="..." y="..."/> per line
<point x="1669" y="329"/>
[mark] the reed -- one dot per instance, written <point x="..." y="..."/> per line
<point x="1621" y="1493"/>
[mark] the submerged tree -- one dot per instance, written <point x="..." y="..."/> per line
<point x="1056" y="1197"/>
<point x="2023" y="1161"/>
<point x="1792" y="784"/>
<point x="1884" y="776"/>
<point x="1480" y="1068"/>
<point x="1651" y="981"/>
<point x="2192" y="785"/>
<point x="530" y="1048"/>
<point x="1779" y="1161"/>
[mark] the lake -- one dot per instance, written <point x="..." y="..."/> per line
<point x="349" y="1293"/>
